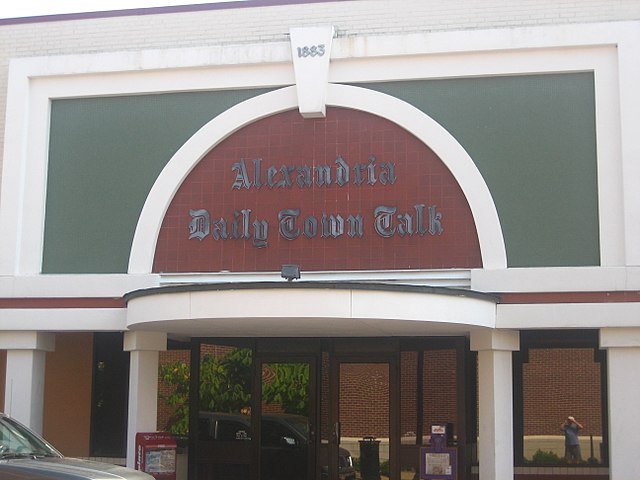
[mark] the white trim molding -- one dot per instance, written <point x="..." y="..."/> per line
<point x="606" y="49"/>
<point x="331" y="309"/>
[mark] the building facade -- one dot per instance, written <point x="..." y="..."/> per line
<point x="378" y="217"/>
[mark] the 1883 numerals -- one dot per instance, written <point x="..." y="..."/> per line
<point x="311" y="51"/>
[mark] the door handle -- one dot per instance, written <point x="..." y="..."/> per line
<point x="336" y="432"/>
<point x="312" y="434"/>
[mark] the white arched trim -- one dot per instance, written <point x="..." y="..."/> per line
<point x="309" y="309"/>
<point x="406" y="116"/>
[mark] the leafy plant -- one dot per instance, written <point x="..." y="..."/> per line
<point x="289" y="387"/>
<point x="225" y="382"/>
<point x="225" y="386"/>
<point x="176" y="375"/>
<point x="384" y="466"/>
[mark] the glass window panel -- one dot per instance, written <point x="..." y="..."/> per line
<point x="225" y="437"/>
<point x="284" y="436"/>
<point x="557" y="383"/>
<point x="364" y="420"/>
<point x="439" y="390"/>
<point x="325" y="429"/>
<point x="408" y="397"/>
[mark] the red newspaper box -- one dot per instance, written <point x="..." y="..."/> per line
<point x="156" y="454"/>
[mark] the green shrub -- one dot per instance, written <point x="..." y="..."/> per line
<point x="384" y="466"/>
<point x="545" y="458"/>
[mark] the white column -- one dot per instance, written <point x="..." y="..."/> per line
<point x="623" y="372"/>
<point x="143" y="384"/>
<point x="495" y="392"/>
<point x="24" y="387"/>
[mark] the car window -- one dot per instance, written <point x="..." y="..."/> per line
<point x="299" y="424"/>
<point x="15" y="439"/>
<point x="230" y="430"/>
<point x="274" y="434"/>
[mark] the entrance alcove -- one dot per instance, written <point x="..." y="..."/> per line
<point x="370" y="194"/>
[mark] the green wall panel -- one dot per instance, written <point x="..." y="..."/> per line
<point x="533" y="140"/>
<point x="104" y="156"/>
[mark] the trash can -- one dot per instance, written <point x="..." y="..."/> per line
<point x="370" y="458"/>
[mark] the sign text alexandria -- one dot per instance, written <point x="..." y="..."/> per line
<point x="386" y="221"/>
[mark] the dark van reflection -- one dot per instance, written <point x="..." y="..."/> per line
<point x="283" y="447"/>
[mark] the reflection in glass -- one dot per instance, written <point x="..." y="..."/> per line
<point x="439" y="390"/>
<point x="224" y="427"/>
<point x="284" y="437"/>
<point x="557" y="383"/>
<point x="408" y="398"/>
<point x="428" y="395"/>
<point x="325" y="429"/>
<point x="364" y="421"/>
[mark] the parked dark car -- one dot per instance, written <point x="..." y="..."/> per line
<point x="24" y="455"/>
<point x="284" y="443"/>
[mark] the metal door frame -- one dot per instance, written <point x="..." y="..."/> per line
<point x="389" y="358"/>
<point x="262" y="358"/>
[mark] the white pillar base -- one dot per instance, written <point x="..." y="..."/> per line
<point x="143" y="385"/>
<point x="623" y="365"/>
<point x="495" y="392"/>
<point x="24" y="387"/>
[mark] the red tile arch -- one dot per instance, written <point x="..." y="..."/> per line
<point x="287" y="139"/>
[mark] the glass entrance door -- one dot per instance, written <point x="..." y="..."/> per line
<point x="262" y="413"/>
<point x="287" y="419"/>
<point x="253" y="415"/>
<point x="223" y="422"/>
<point x="361" y="419"/>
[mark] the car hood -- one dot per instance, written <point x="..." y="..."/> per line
<point x="66" y="469"/>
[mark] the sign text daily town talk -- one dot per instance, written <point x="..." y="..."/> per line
<point x="245" y="225"/>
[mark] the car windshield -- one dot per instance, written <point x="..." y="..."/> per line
<point x="300" y="424"/>
<point x="16" y="440"/>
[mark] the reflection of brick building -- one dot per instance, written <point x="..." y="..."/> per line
<point x="440" y="387"/>
<point x="369" y="382"/>
<point x="439" y="393"/>
<point x="557" y="383"/>
<point x="561" y="382"/>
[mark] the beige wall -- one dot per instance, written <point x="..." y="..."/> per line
<point x="67" y="394"/>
